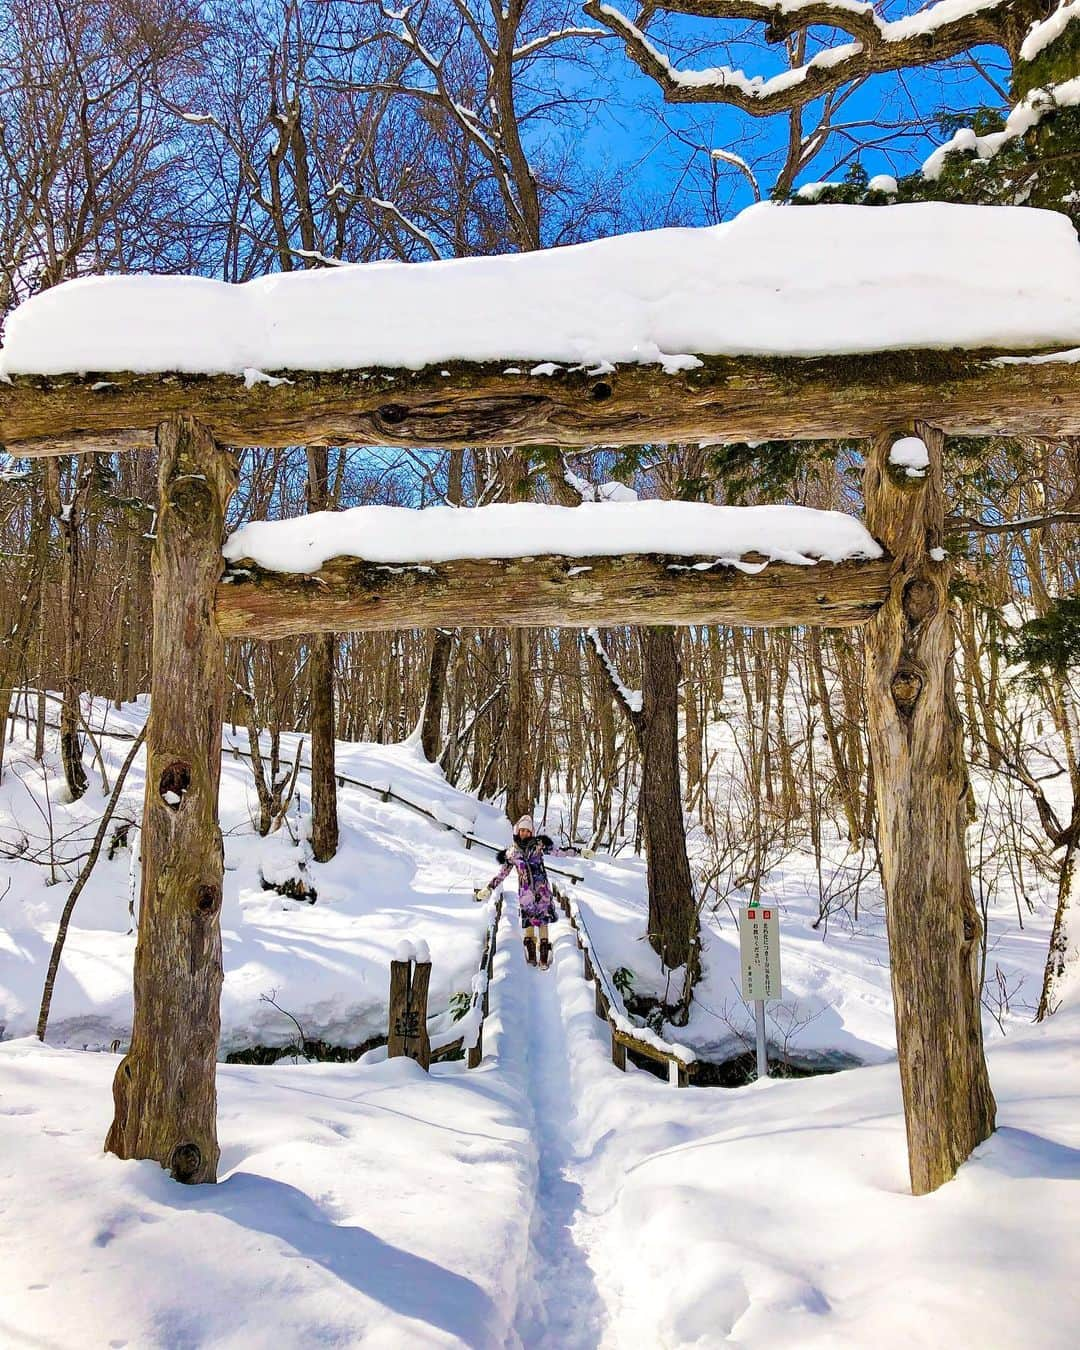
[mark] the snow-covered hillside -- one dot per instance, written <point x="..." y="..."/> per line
<point x="544" y="1199"/>
<point x="396" y="875"/>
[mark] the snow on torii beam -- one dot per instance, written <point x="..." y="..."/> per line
<point x="531" y="565"/>
<point x="473" y="403"/>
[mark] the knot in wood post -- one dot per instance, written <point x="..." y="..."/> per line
<point x="189" y="494"/>
<point x="920" y="600"/>
<point x="186" y="1163"/>
<point x="208" y="899"/>
<point x="906" y="687"/>
<point x="173" y="784"/>
<point x="407" y="1034"/>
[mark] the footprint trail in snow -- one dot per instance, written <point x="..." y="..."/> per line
<point x="561" y="1306"/>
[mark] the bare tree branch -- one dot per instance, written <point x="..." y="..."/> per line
<point x="877" y="46"/>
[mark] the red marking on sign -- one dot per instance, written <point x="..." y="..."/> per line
<point x="766" y="913"/>
<point x="751" y="914"/>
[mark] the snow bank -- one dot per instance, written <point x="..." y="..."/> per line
<point x="771" y="281"/>
<point x="397" y="878"/>
<point x="778" y="1215"/>
<point x="338" y="1220"/>
<point x="399" y="535"/>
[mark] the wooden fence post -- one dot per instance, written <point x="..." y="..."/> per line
<point x="407" y="1033"/>
<point x="921" y="785"/>
<point x="165" y="1089"/>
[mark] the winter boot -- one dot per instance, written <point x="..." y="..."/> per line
<point x="530" y="949"/>
<point x="545" y="953"/>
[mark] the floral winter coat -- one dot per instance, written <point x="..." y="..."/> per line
<point x="526" y="856"/>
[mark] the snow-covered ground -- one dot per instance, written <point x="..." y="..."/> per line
<point x="543" y="1200"/>
<point x="396" y="875"/>
<point x="375" y="1206"/>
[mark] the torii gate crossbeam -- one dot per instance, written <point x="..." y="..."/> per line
<point x="470" y="403"/>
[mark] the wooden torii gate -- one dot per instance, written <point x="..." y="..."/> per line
<point x="164" y="1089"/>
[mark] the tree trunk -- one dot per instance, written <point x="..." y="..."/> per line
<point x="844" y="786"/>
<point x="435" y="696"/>
<point x="68" y="520"/>
<point x="165" y="1090"/>
<point x="692" y="726"/>
<point x="672" y="911"/>
<point x="321" y="651"/>
<point x="15" y="647"/>
<point x="920" y="780"/>
<point x="1063" y="946"/>
<point x="324" y="815"/>
<point x="431" y="725"/>
<point x="520" y="730"/>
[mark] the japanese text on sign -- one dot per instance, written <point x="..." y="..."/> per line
<point x="759" y="951"/>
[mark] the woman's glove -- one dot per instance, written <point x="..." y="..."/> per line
<point x="481" y="894"/>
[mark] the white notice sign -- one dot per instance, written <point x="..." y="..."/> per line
<point x="759" y="950"/>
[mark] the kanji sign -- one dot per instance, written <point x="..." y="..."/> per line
<point x="759" y="951"/>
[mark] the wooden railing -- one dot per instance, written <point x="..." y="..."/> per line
<point x="679" y="1060"/>
<point x="387" y="794"/>
<point x="470" y="1037"/>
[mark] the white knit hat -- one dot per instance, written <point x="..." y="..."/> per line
<point x="525" y="823"/>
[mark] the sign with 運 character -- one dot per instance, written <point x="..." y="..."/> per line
<point x="759" y="950"/>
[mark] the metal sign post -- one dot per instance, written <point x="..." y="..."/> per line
<point x="762" y="1053"/>
<point x="759" y="952"/>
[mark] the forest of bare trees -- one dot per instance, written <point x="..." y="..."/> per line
<point x="239" y="139"/>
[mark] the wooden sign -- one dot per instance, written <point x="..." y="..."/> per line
<point x="407" y="1032"/>
<point x="759" y="951"/>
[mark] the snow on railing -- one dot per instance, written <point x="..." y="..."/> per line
<point x="470" y="1037"/>
<point x="625" y="1035"/>
<point x="446" y="820"/>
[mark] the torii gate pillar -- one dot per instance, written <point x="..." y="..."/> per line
<point x="165" y="1090"/>
<point x="921" y="783"/>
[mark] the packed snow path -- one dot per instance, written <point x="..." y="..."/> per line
<point x="560" y="1306"/>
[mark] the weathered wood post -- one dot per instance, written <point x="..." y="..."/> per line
<point x="165" y="1090"/>
<point x="407" y="1034"/>
<point x="921" y="786"/>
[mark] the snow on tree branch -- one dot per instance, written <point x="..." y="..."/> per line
<point x="631" y="700"/>
<point x="409" y="226"/>
<point x="1025" y="115"/>
<point x="934" y="33"/>
<point x="1042" y="34"/>
<point x="550" y="39"/>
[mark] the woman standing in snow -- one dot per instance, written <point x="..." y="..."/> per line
<point x="536" y="904"/>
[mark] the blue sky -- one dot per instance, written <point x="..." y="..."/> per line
<point x="627" y="130"/>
